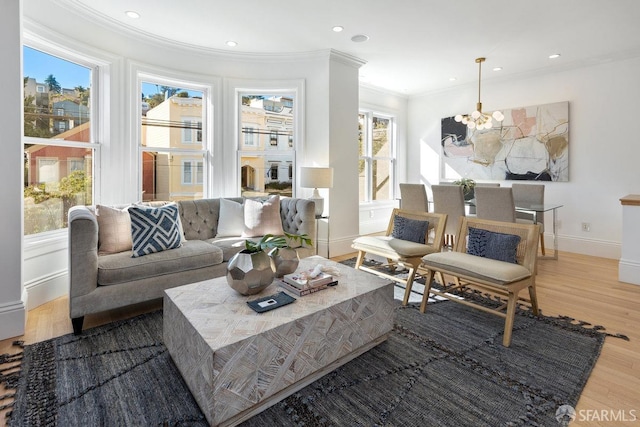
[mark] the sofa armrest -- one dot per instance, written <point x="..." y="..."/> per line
<point x="83" y="253"/>
<point x="299" y="217"/>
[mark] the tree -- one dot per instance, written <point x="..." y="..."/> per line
<point x="53" y="84"/>
<point x="83" y="95"/>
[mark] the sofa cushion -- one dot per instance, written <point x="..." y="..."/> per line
<point x="489" y="244"/>
<point x="262" y="217"/>
<point x="114" y="229"/>
<point x="229" y="245"/>
<point x="122" y="268"/>
<point x="154" y="229"/>
<point x="231" y="220"/>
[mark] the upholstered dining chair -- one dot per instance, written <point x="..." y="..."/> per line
<point x="410" y="236"/>
<point x="449" y="199"/>
<point x="413" y="197"/>
<point x="495" y="203"/>
<point x="527" y="194"/>
<point x="472" y="209"/>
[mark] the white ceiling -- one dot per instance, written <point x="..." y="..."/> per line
<point x="415" y="46"/>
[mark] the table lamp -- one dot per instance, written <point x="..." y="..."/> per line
<point x="315" y="178"/>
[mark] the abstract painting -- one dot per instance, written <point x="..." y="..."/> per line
<point x="531" y="143"/>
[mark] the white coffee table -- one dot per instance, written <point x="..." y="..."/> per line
<point x="237" y="362"/>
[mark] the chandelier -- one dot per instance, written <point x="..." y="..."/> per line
<point x="478" y="119"/>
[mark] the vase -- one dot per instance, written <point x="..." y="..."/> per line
<point x="250" y="272"/>
<point x="286" y="260"/>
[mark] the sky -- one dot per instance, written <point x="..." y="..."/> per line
<point x="39" y="65"/>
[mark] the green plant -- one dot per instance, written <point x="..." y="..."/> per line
<point x="304" y="239"/>
<point x="269" y="241"/>
<point x="467" y="185"/>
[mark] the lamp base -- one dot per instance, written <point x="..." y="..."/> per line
<point x="319" y="201"/>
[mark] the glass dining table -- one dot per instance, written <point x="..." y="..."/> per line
<point x="536" y="209"/>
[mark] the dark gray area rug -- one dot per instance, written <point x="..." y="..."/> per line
<point x="446" y="367"/>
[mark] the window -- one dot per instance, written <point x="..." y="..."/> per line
<point x="59" y="136"/>
<point x="377" y="156"/>
<point x="173" y="146"/>
<point x="270" y="115"/>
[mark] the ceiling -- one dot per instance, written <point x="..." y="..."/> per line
<point x="414" y="46"/>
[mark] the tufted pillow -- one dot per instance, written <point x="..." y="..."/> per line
<point x="489" y="244"/>
<point x="231" y="219"/>
<point x="114" y="230"/>
<point x="261" y="218"/>
<point x="154" y="229"/>
<point x="413" y="230"/>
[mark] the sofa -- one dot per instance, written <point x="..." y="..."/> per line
<point x="108" y="268"/>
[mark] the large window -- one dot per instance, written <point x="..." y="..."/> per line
<point x="266" y="144"/>
<point x="59" y="137"/>
<point x="377" y="156"/>
<point x="173" y="142"/>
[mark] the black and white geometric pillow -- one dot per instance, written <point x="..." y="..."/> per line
<point x="154" y="229"/>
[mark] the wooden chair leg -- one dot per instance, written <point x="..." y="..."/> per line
<point x="359" y="259"/>
<point x="508" y="322"/>
<point x="542" y="243"/>
<point x="427" y="290"/>
<point x="534" y="299"/>
<point x="408" y="285"/>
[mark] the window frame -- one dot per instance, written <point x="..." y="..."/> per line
<point x="369" y="158"/>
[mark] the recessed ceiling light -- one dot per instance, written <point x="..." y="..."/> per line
<point x="497" y="69"/>
<point x="359" y="38"/>
<point x="338" y="28"/>
<point x="231" y="43"/>
<point x="132" y="14"/>
<point x="554" y="56"/>
<point x="452" y="79"/>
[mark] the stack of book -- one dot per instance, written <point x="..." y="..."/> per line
<point x="300" y="284"/>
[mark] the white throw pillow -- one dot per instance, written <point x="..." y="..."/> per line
<point x="230" y="219"/>
<point x="114" y="230"/>
<point x="261" y="218"/>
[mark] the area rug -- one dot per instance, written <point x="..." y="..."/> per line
<point x="446" y="367"/>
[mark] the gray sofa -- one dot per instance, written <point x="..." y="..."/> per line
<point x="100" y="282"/>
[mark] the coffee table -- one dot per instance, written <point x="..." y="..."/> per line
<point x="237" y="362"/>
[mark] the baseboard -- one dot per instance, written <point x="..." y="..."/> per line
<point x="46" y="288"/>
<point x="13" y="318"/>
<point x="579" y="245"/>
<point x="342" y="246"/>
<point x="629" y="271"/>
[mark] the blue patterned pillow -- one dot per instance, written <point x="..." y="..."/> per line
<point x="154" y="229"/>
<point x="489" y="244"/>
<point x="413" y="230"/>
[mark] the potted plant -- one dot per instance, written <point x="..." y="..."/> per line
<point x="468" y="185"/>
<point x="286" y="258"/>
<point x="252" y="269"/>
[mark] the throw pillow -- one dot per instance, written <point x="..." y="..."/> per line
<point x="410" y="229"/>
<point x="114" y="230"/>
<point x="261" y="218"/>
<point x="489" y="244"/>
<point x="230" y="219"/>
<point x="154" y="229"/>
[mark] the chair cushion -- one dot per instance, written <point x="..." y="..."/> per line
<point x="489" y="244"/>
<point x="391" y="247"/>
<point x="154" y="229"/>
<point x="410" y="229"/>
<point x="500" y="272"/>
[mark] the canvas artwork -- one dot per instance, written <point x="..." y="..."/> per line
<point x="531" y="143"/>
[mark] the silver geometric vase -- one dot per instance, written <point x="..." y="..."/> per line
<point x="286" y="260"/>
<point x="250" y="273"/>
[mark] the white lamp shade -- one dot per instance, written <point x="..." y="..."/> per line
<point x="316" y="177"/>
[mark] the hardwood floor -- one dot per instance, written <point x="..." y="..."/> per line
<point x="582" y="287"/>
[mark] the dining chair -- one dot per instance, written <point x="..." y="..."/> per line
<point x="449" y="199"/>
<point x="495" y="203"/>
<point x="413" y="197"/>
<point x="472" y="208"/>
<point x="526" y="194"/>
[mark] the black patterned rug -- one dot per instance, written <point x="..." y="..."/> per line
<point x="446" y="367"/>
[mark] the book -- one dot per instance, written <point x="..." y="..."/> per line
<point x="305" y="290"/>
<point x="300" y="279"/>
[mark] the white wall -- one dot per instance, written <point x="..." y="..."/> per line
<point x="12" y="306"/>
<point x="603" y="147"/>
